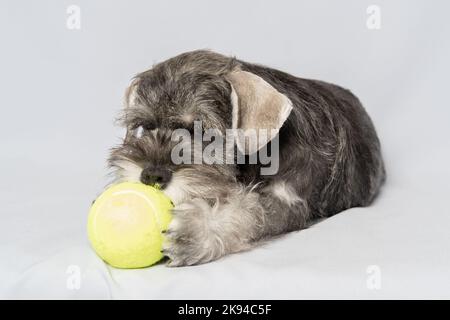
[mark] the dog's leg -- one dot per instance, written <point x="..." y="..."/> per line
<point x="202" y="232"/>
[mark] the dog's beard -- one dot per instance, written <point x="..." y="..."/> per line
<point x="187" y="182"/>
<point x="127" y="170"/>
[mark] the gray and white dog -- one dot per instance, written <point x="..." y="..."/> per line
<point x="329" y="153"/>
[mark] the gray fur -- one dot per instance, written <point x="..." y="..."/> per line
<point x="330" y="158"/>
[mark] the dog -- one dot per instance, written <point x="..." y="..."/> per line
<point x="328" y="155"/>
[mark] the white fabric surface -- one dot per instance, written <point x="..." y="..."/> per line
<point x="61" y="90"/>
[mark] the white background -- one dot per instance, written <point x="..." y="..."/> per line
<point x="61" y="89"/>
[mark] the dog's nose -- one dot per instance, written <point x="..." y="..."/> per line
<point x="160" y="176"/>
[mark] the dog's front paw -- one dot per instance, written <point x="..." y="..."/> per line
<point x="192" y="238"/>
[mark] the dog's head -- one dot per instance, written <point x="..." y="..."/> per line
<point x="196" y="87"/>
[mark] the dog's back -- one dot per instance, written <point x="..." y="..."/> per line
<point x="329" y="143"/>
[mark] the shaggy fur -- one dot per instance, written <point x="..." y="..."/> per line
<point x="329" y="155"/>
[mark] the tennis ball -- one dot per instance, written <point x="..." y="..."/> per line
<point x="125" y="224"/>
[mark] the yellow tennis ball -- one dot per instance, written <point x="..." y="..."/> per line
<point x="125" y="224"/>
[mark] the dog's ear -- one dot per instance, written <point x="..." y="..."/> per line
<point x="129" y="101"/>
<point x="257" y="107"/>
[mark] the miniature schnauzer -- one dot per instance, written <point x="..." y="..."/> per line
<point x="328" y="153"/>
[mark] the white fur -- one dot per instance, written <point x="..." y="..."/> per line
<point x="284" y="192"/>
<point x="177" y="189"/>
<point x="128" y="170"/>
<point x="139" y="132"/>
<point x="235" y="108"/>
<point x="285" y="111"/>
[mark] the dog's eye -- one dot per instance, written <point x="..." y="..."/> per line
<point x="148" y="126"/>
